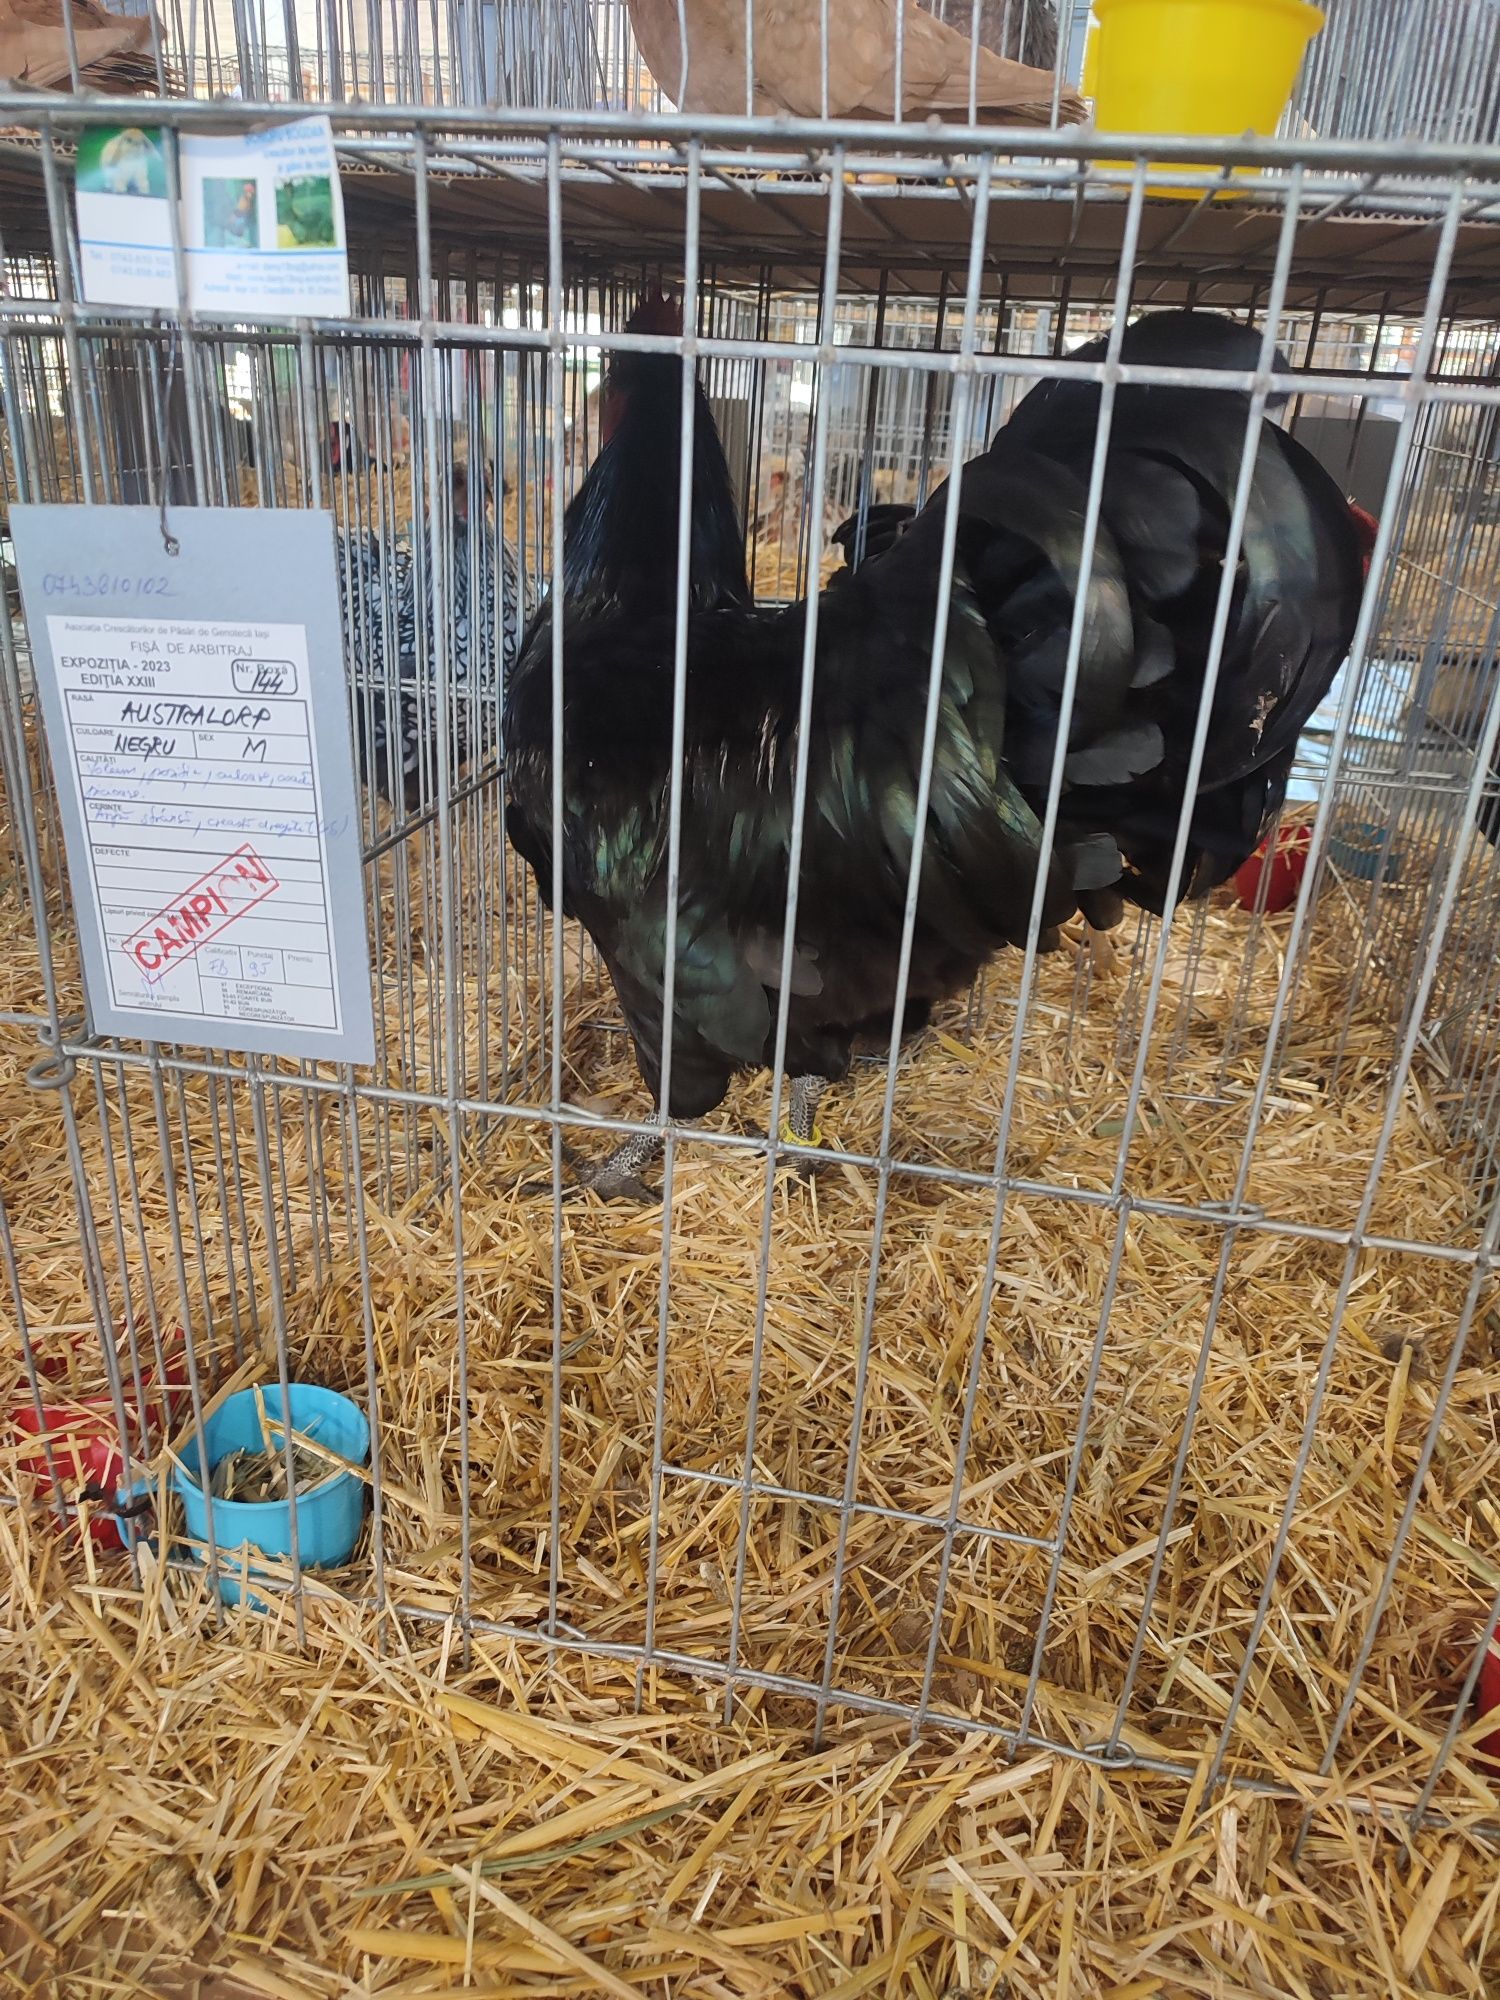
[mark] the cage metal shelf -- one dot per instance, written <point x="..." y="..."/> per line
<point x="1366" y="232"/>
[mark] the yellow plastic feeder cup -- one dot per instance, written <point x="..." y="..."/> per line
<point x="1201" y="68"/>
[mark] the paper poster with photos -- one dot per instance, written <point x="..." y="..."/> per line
<point x="262" y="220"/>
<point x="124" y="224"/>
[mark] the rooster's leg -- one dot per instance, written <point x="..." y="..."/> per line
<point x="802" y="1120"/>
<point x="617" y="1177"/>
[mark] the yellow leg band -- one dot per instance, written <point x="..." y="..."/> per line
<point x="789" y="1137"/>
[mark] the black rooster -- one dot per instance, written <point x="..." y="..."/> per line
<point x="1170" y="477"/>
<point x="620" y="530"/>
<point x="620" y="565"/>
<point x="982" y="847"/>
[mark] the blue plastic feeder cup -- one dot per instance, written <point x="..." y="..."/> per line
<point x="1365" y="850"/>
<point x="328" y="1514"/>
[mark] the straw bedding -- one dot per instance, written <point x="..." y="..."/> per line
<point x="180" y="1801"/>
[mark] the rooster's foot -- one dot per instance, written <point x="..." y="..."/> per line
<point x="1101" y="948"/>
<point x="1102" y="951"/>
<point x="617" y="1177"/>
<point x="805" y="1167"/>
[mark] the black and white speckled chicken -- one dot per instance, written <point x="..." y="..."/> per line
<point x="395" y="717"/>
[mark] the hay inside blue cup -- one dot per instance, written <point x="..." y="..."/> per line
<point x="329" y="1514"/>
<point x="1364" y="849"/>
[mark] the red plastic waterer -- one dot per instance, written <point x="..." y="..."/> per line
<point x="82" y="1433"/>
<point x="1287" y="867"/>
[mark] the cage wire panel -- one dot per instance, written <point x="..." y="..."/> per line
<point x="958" y="1434"/>
<point x="564" y="55"/>
<point x="1406" y="70"/>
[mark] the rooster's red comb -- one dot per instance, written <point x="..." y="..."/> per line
<point x="656" y="313"/>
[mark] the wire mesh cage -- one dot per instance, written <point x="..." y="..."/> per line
<point x="565" y="54"/>
<point x="1402" y="72"/>
<point x="1409" y="71"/>
<point x="1123" y="1384"/>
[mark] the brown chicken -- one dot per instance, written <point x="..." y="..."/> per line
<point x="114" y="52"/>
<point x="1024" y="30"/>
<point x="935" y="63"/>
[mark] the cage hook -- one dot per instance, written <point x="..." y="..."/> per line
<point x="54" y="1071"/>
<point x="1107" y="1756"/>
<point x="164" y="442"/>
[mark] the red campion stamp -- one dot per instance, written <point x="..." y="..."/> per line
<point x="203" y="911"/>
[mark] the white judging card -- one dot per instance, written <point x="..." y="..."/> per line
<point x="197" y="718"/>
